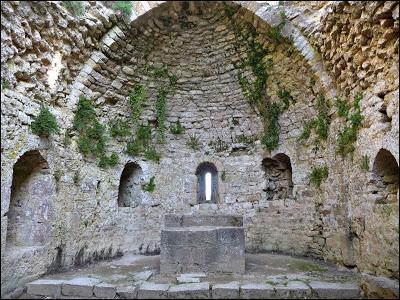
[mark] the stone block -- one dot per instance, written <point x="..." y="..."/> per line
<point x="334" y="290"/>
<point x="81" y="287"/>
<point x="293" y="290"/>
<point x="149" y="290"/>
<point x="104" y="290"/>
<point x="226" y="291"/>
<point x="45" y="287"/>
<point x="190" y="291"/>
<point x="186" y="279"/>
<point x="127" y="292"/>
<point x="257" y="291"/>
<point x="379" y="287"/>
<point x="142" y="276"/>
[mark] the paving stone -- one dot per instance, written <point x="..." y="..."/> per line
<point x="127" y="292"/>
<point x="142" y="276"/>
<point x="81" y="287"/>
<point x="104" y="290"/>
<point x="184" y="279"/>
<point x="257" y="291"/>
<point x="334" y="290"/>
<point x="149" y="290"/>
<point x="293" y="289"/>
<point x="45" y="287"/>
<point x="190" y="291"/>
<point x="226" y="290"/>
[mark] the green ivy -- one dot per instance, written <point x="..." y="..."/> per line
<point x="275" y="32"/>
<point x="137" y="97"/>
<point x="125" y="7"/>
<point x="177" y="128"/>
<point x="151" y="154"/>
<point x="76" y="7"/>
<point x="342" y="108"/>
<point x="285" y="97"/>
<point x="118" y="127"/>
<point x="160" y="112"/>
<point x="45" y="123"/>
<point x="318" y="174"/>
<point x="5" y="84"/>
<point x="151" y="186"/>
<point x="134" y="147"/>
<point x="365" y="163"/>
<point x="193" y="142"/>
<point x="85" y="114"/>
<point x="111" y="161"/>
<point x="348" y="137"/>
<point x="218" y="145"/>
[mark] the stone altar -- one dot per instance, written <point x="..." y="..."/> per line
<point x="202" y="243"/>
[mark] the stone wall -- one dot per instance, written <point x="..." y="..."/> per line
<point x="104" y="55"/>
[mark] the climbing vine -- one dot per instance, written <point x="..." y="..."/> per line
<point x="137" y="97"/>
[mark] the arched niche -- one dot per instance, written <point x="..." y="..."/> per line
<point x="385" y="177"/>
<point x="31" y="203"/>
<point x="278" y="175"/>
<point x="207" y="183"/>
<point x="130" y="192"/>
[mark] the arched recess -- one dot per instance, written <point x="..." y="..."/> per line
<point x="31" y="204"/>
<point x="278" y="175"/>
<point x="129" y="191"/>
<point x="385" y="177"/>
<point x="207" y="183"/>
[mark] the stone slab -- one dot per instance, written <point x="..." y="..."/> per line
<point x="104" y="290"/>
<point x="142" y="276"/>
<point x="257" y="291"/>
<point x="190" y="291"/>
<point x="149" y="290"/>
<point x="226" y="290"/>
<point x="379" y="287"/>
<point x="334" y="290"/>
<point x="81" y="287"/>
<point x="45" y="287"/>
<point x="185" y="279"/>
<point x="127" y="292"/>
<point x="293" y="290"/>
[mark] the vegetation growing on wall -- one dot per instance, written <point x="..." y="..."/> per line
<point x="45" y="123"/>
<point x="177" y="128"/>
<point x="125" y="7"/>
<point x="348" y="137"/>
<point x="77" y="8"/>
<point x="137" y="97"/>
<point x="365" y="163"/>
<point x="318" y="174"/>
<point x="151" y="186"/>
<point x="193" y="142"/>
<point x="118" y="127"/>
<point x="320" y="123"/>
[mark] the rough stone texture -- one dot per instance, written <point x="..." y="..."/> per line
<point x="45" y="287"/>
<point x="190" y="291"/>
<point x="82" y="287"/>
<point x="293" y="290"/>
<point x="346" y="47"/>
<point x="328" y="290"/>
<point x="257" y="291"/>
<point x="127" y="292"/>
<point x="149" y="290"/>
<point x="225" y="291"/>
<point x="104" y="290"/>
<point x="202" y="243"/>
<point x="379" y="287"/>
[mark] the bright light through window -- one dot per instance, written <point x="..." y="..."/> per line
<point x="208" y="186"/>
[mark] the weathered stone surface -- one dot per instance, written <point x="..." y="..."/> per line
<point x="257" y="291"/>
<point x="81" y="287"/>
<point x="225" y="290"/>
<point x="127" y="292"/>
<point x="104" y="290"/>
<point x="293" y="290"/>
<point x="149" y="290"/>
<point x="332" y="290"/>
<point x="379" y="287"/>
<point x="190" y="291"/>
<point x="45" y="287"/>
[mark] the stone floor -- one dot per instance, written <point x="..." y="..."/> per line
<point x="135" y="276"/>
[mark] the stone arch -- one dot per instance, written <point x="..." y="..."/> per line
<point x="278" y="175"/>
<point x="31" y="207"/>
<point x="129" y="191"/>
<point x="201" y="172"/>
<point x="385" y="177"/>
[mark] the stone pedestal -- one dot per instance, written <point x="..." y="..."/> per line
<point x="202" y="243"/>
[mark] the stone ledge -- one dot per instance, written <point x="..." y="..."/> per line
<point x="45" y="287"/>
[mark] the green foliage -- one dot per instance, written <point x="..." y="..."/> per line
<point x="342" y="108"/>
<point x="151" y="186"/>
<point x="5" y="84"/>
<point x="57" y="175"/>
<point x="218" y="145"/>
<point x="309" y="267"/>
<point x="85" y="114"/>
<point x="270" y="137"/>
<point x="144" y="134"/>
<point x="111" y="161"/>
<point x="347" y="137"/>
<point x="318" y="174"/>
<point x="223" y="175"/>
<point x="75" y="7"/>
<point x="134" y="147"/>
<point x="125" y="7"/>
<point x="312" y="82"/>
<point x="193" y="142"/>
<point x="76" y="177"/>
<point x="67" y="137"/>
<point x="137" y="97"/>
<point x="177" y="128"/>
<point x="160" y="112"/>
<point x="151" y="154"/>
<point x="365" y="163"/>
<point x="275" y="32"/>
<point x="320" y="123"/>
<point x="285" y="97"/>
<point x="45" y="123"/>
<point x="118" y="127"/>
<point x="160" y="72"/>
<point x="246" y="139"/>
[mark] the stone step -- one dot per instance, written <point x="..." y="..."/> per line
<point x="85" y="287"/>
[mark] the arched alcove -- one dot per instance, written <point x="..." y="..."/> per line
<point x="385" y="177"/>
<point x="278" y="175"/>
<point x="207" y="183"/>
<point x="32" y="192"/>
<point x="129" y="191"/>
